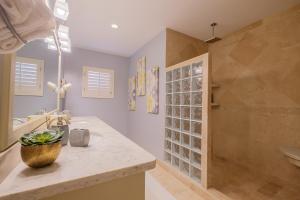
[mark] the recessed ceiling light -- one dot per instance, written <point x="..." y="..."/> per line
<point x="115" y="26"/>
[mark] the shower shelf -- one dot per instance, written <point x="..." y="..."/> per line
<point x="187" y="102"/>
<point x="215" y="85"/>
<point x="214" y="105"/>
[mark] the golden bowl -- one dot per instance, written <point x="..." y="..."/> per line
<point x="40" y="155"/>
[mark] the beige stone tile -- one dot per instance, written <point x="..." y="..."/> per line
<point x="248" y="49"/>
<point x="242" y="184"/>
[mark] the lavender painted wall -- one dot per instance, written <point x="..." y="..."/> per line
<point x="27" y="105"/>
<point x="147" y="130"/>
<point x="112" y="111"/>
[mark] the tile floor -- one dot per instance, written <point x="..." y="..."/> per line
<point x="240" y="184"/>
<point x="161" y="185"/>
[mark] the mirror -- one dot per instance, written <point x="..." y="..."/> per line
<point x="35" y="66"/>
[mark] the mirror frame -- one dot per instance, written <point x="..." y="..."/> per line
<point x="7" y="68"/>
<point x="9" y="135"/>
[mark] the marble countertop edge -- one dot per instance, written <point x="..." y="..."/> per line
<point x="58" y="188"/>
<point x="110" y="156"/>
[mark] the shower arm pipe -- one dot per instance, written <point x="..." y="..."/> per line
<point x="59" y="69"/>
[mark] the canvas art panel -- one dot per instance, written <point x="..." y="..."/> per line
<point x="153" y="91"/>
<point x="141" y="76"/>
<point x="132" y="93"/>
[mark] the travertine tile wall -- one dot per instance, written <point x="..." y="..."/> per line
<point x="258" y="69"/>
<point x="181" y="47"/>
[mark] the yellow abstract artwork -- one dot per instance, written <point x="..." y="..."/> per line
<point x="132" y="93"/>
<point x="141" y="77"/>
<point x="153" y="91"/>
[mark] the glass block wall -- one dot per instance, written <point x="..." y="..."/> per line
<point x="183" y="123"/>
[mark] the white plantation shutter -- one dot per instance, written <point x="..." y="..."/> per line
<point x="98" y="82"/>
<point x="29" y="76"/>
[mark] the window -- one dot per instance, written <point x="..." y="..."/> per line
<point x="97" y="82"/>
<point x="29" y="77"/>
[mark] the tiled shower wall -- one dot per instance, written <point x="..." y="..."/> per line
<point x="258" y="69"/>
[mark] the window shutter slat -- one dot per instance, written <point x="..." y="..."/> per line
<point x="28" y="76"/>
<point x="98" y="83"/>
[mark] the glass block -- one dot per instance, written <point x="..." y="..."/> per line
<point x="176" y="124"/>
<point x="176" y="99"/>
<point x="169" y="110"/>
<point x="169" y="122"/>
<point x="168" y="133"/>
<point x="197" y="98"/>
<point x="185" y="125"/>
<point x="196" y="144"/>
<point x="175" y="161"/>
<point x="196" y="128"/>
<point x="196" y="174"/>
<point x="168" y="157"/>
<point x="176" y="111"/>
<point x="196" y="159"/>
<point x="169" y="76"/>
<point x="197" y="113"/>
<point x="186" y="72"/>
<point x="197" y="83"/>
<point x="177" y="86"/>
<point x="197" y="68"/>
<point x="185" y="112"/>
<point x="176" y="74"/>
<point x="176" y="149"/>
<point x="169" y="99"/>
<point x="186" y="85"/>
<point x="185" y="153"/>
<point x="168" y="145"/>
<point x="185" y="139"/>
<point x="186" y="99"/>
<point x="169" y="87"/>
<point x="185" y="167"/>
<point x="176" y="137"/>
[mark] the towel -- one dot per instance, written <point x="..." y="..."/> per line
<point x="32" y="19"/>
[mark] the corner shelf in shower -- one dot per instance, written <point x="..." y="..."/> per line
<point x="188" y="92"/>
<point x="214" y="105"/>
<point x="215" y="85"/>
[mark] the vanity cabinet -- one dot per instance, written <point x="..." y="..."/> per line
<point x="188" y="97"/>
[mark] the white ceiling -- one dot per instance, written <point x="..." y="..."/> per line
<point x="141" y="20"/>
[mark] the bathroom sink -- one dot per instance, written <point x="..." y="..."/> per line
<point x="292" y="154"/>
<point x="18" y="121"/>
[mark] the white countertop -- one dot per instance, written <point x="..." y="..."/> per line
<point x="109" y="156"/>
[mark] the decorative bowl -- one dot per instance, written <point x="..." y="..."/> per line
<point x="38" y="156"/>
<point x="40" y="148"/>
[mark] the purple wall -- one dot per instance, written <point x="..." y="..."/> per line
<point x="28" y="105"/>
<point x="112" y="111"/>
<point x="147" y="130"/>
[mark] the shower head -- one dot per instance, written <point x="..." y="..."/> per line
<point x="213" y="38"/>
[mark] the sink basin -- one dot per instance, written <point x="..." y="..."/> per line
<point x="292" y="154"/>
<point x="18" y="121"/>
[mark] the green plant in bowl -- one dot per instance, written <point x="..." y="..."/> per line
<point x="40" y="148"/>
<point x="41" y="138"/>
